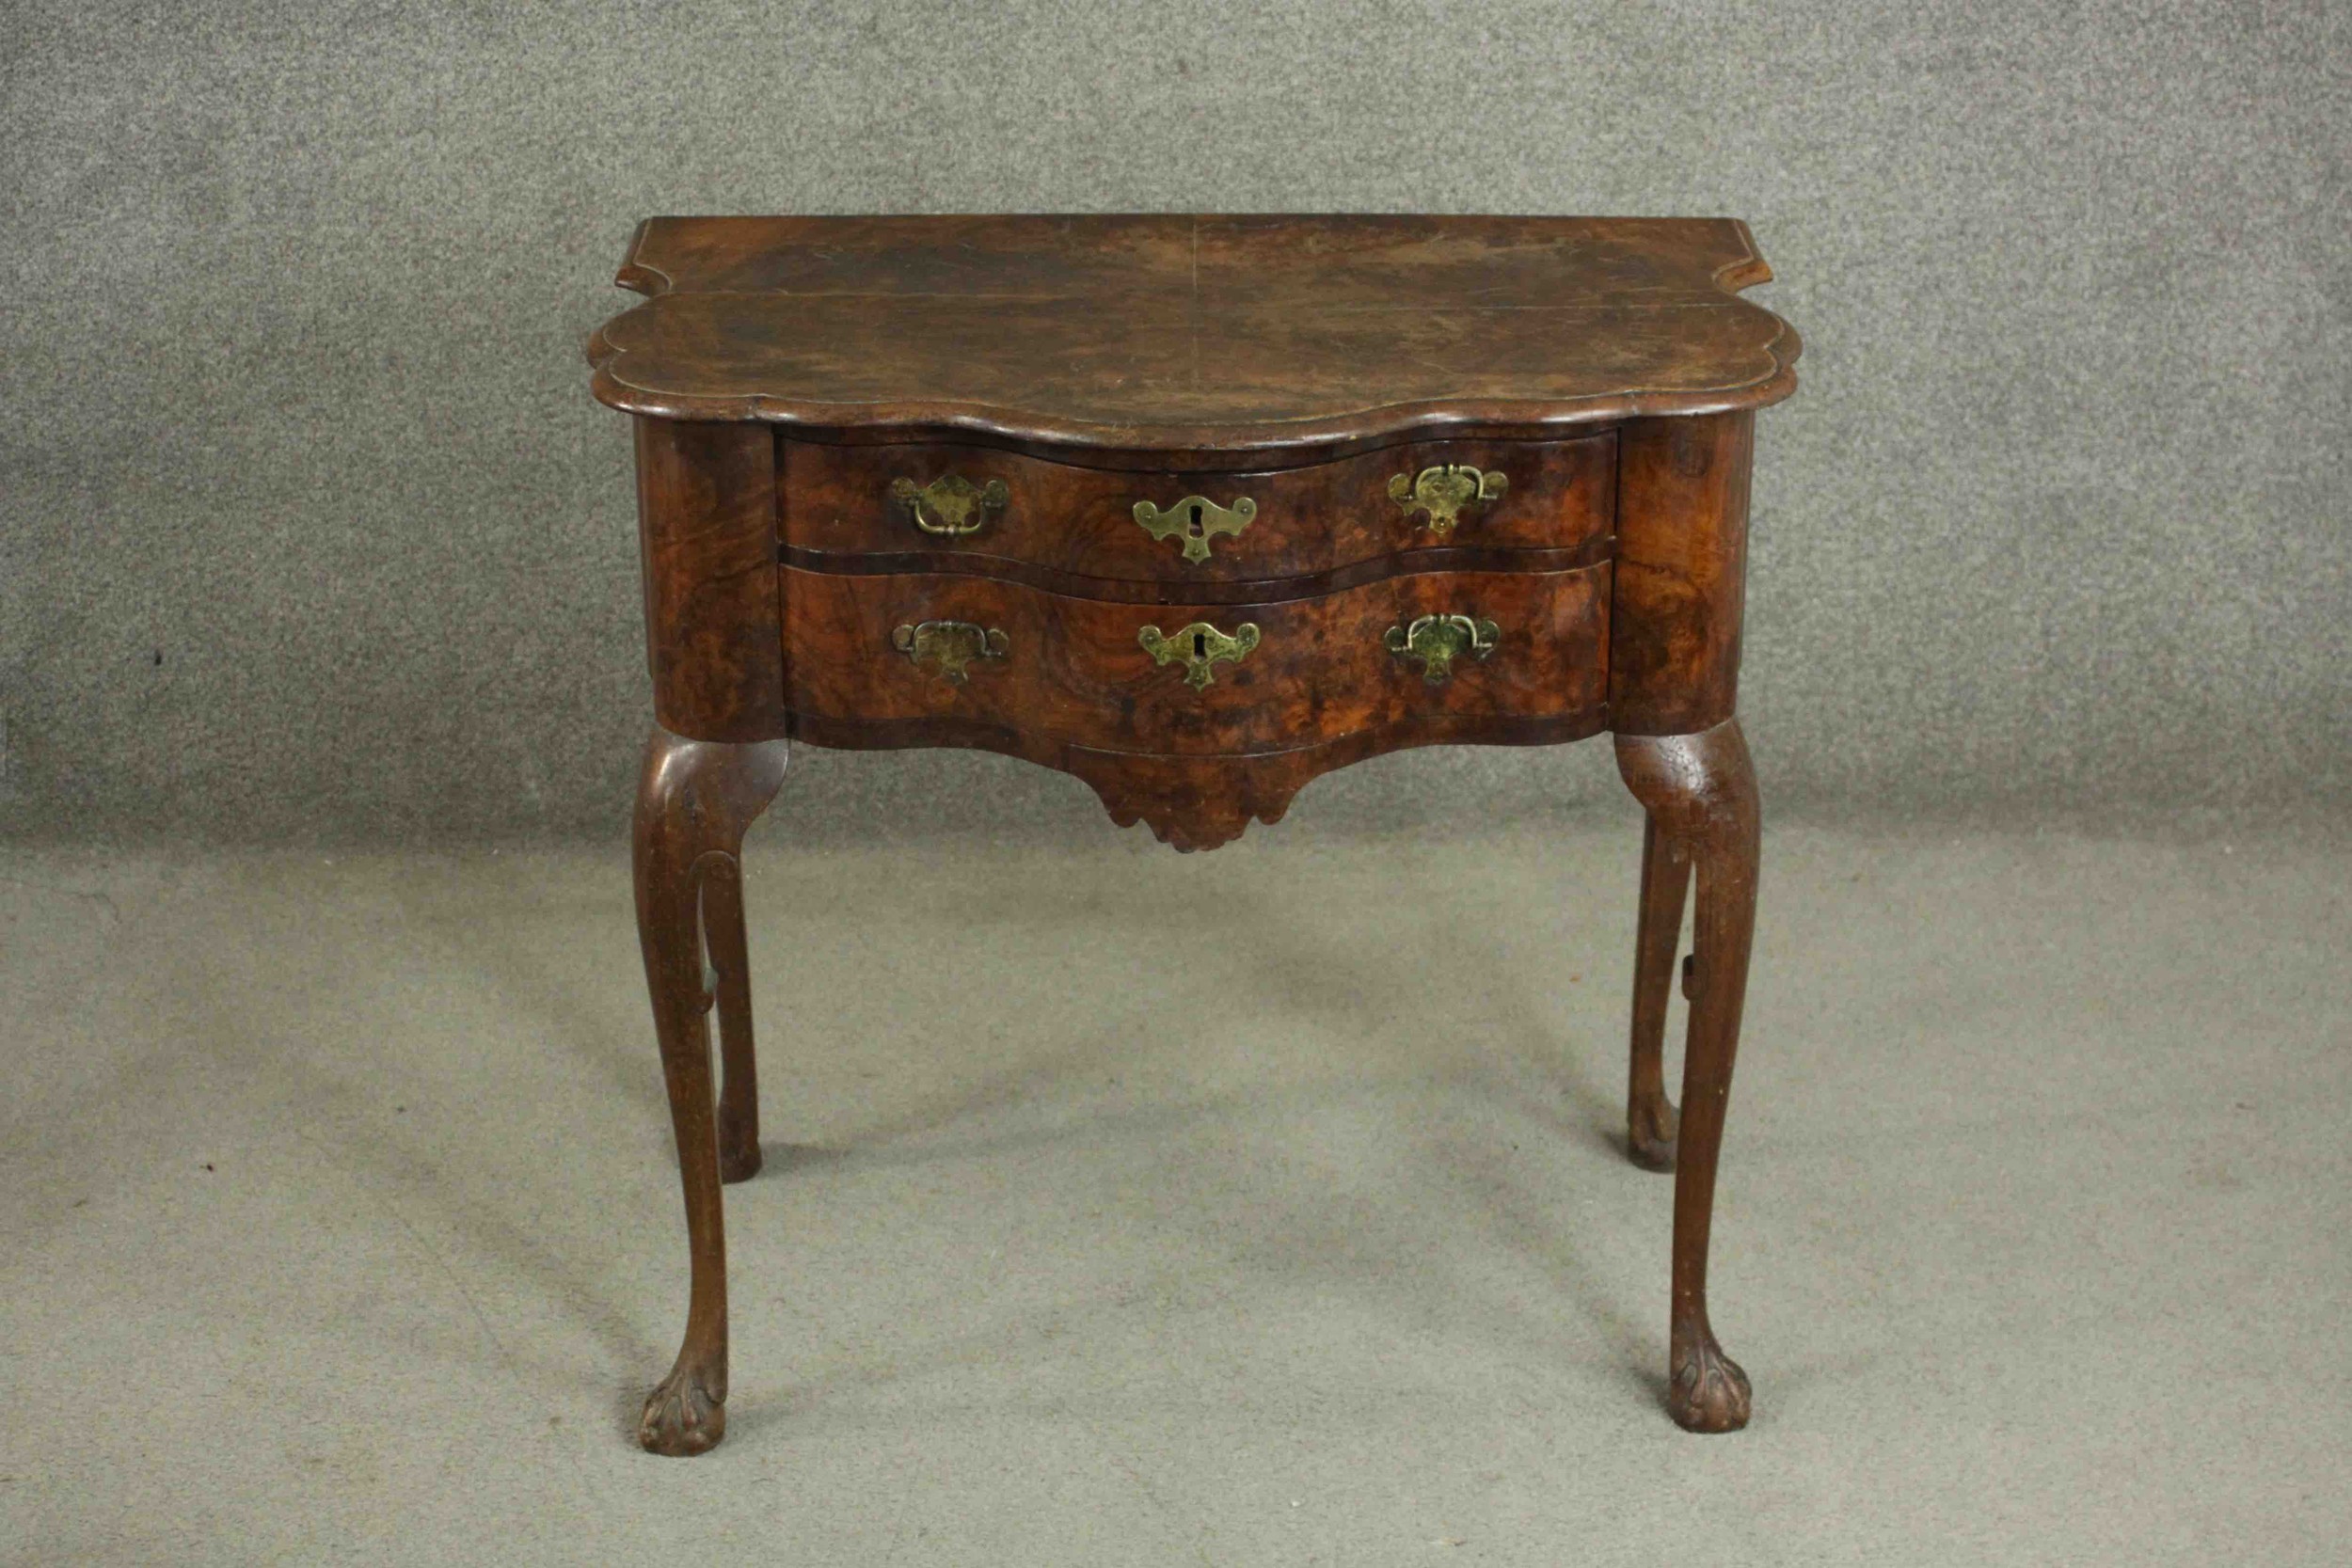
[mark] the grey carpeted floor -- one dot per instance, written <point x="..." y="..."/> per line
<point x="1122" y="1208"/>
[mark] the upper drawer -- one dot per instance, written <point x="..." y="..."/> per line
<point x="980" y="508"/>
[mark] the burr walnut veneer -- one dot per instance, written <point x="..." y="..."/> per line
<point x="1194" y="509"/>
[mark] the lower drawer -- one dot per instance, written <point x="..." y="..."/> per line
<point x="1212" y="679"/>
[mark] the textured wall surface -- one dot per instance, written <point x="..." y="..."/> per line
<point x="308" y="526"/>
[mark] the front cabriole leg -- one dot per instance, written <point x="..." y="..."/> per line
<point x="695" y="800"/>
<point x="1700" y="793"/>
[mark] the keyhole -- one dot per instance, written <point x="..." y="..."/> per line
<point x="1194" y="528"/>
<point x="1200" y="645"/>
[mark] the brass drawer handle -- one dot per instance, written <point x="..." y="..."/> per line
<point x="1444" y="490"/>
<point x="1196" y="520"/>
<point x="950" y="644"/>
<point x="1200" y="648"/>
<point x="951" y="504"/>
<point x="1435" y="642"/>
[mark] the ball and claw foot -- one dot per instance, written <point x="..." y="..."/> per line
<point x="681" y="1418"/>
<point x="1707" y="1391"/>
<point x="1651" y="1134"/>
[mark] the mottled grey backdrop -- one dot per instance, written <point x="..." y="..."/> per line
<point x="311" y="530"/>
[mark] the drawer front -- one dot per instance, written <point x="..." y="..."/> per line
<point x="1210" y="679"/>
<point x="977" y="509"/>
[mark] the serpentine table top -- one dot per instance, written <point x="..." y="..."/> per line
<point x="1201" y="335"/>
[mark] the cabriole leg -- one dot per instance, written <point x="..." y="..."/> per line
<point x="1700" y="793"/>
<point x="693" y="802"/>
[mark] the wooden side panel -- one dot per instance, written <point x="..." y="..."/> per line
<point x="1681" y="578"/>
<point x="705" y="520"/>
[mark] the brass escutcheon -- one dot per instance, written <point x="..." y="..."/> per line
<point x="1444" y="490"/>
<point x="950" y="644"/>
<point x="953" y="503"/>
<point x="1196" y="519"/>
<point x="1435" y="642"/>
<point x="1200" y="647"/>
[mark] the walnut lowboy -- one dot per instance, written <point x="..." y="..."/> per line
<point x="1196" y="509"/>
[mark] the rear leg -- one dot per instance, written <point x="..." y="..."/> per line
<point x="729" y="984"/>
<point x="1651" y="1124"/>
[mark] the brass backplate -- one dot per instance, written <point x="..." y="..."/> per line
<point x="1435" y="642"/>
<point x="1196" y="520"/>
<point x="1445" y="490"/>
<point x="950" y="645"/>
<point x="951" y="504"/>
<point x="1200" y="648"/>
